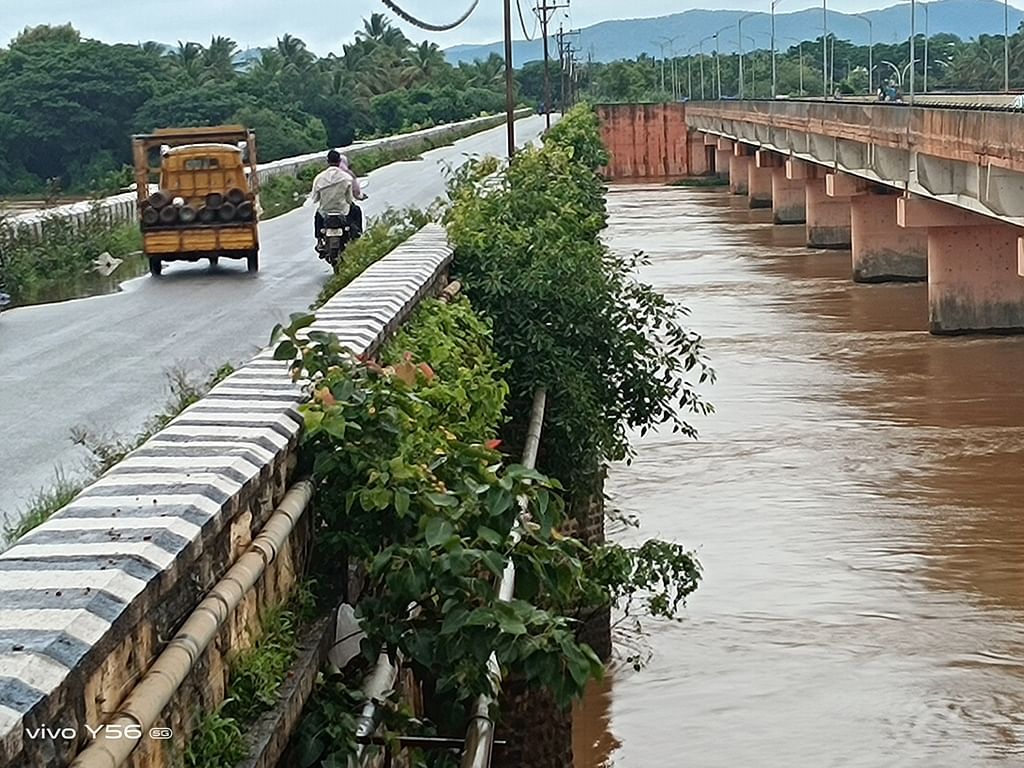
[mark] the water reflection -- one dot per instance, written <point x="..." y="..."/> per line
<point x="856" y="504"/>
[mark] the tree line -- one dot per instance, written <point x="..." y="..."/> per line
<point x="68" y="105"/>
<point x="953" y="65"/>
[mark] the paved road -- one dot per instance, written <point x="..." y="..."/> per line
<point x="102" y="362"/>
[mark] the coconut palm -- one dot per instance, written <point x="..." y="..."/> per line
<point x="219" y="57"/>
<point x="296" y="56"/>
<point x="188" y="60"/>
<point x="422" y="62"/>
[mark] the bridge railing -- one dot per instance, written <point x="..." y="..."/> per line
<point x="979" y="136"/>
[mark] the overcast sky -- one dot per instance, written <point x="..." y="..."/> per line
<point x="325" y="24"/>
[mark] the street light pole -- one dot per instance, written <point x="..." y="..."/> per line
<point x="774" y="76"/>
<point x="871" y="52"/>
<point x="510" y="100"/>
<point x="824" y="49"/>
<point x="739" y="43"/>
<point x="924" y="86"/>
<point x="1006" y="46"/>
<point x="913" y="33"/>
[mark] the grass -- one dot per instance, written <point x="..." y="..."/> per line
<point x="700" y="181"/>
<point x="254" y="683"/>
<point x="105" y="452"/>
<point x="43" y="504"/>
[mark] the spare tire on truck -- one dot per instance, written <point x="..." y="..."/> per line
<point x="168" y="214"/>
<point x="236" y="196"/>
<point x="214" y="200"/>
<point x="150" y="217"/>
<point x="226" y="212"/>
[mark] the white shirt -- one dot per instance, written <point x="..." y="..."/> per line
<point x="332" y="191"/>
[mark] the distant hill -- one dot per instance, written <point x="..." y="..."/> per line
<point x="628" y="38"/>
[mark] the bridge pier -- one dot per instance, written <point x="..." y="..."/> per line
<point x="789" y="195"/>
<point x="739" y="173"/>
<point x="723" y="157"/>
<point x="759" y="179"/>
<point x="698" y="162"/>
<point x="828" y="218"/>
<point x="882" y="250"/>
<point x="973" y="279"/>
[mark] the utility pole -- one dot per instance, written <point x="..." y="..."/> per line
<point x="543" y="11"/>
<point x="565" y="51"/>
<point x="510" y="98"/>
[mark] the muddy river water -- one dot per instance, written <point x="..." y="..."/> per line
<point x="856" y="502"/>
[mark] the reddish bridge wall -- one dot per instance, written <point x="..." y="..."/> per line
<point x="644" y="140"/>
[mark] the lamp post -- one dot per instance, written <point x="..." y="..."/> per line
<point x="661" y="47"/>
<point x="1006" y="46"/>
<point x="739" y="44"/>
<point x="871" y="51"/>
<point x="774" y="76"/>
<point x="924" y="85"/>
<point x="913" y="33"/>
<point x="718" y="62"/>
<point x="824" y="49"/>
<point x="689" y="72"/>
<point x="701" y="44"/>
<point x="669" y="41"/>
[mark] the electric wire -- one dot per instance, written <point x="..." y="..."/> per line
<point x="522" y="22"/>
<point x="426" y="25"/>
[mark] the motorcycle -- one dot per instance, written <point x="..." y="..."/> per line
<point x="337" y="234"/>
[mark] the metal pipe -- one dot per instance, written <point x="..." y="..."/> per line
<point x="480" y="732"/>
<point x="147" y="701"/>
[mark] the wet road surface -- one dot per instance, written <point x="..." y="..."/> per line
<point x="102" y="362"/>
<point x="857" y="505"/>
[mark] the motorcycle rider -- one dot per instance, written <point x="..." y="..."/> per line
<point x="355" y="215"/>
<point x="332" y="193"/>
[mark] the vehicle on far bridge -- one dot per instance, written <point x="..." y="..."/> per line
<point x="206" y="202"/>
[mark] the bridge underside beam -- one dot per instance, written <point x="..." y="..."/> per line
<point x="973" y="278"/>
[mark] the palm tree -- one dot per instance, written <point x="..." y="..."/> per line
<point x="374" y="28"/>
<point x="486" y="74"/>
<point x="422" y="62"/>
<point x="219" y="57"/>
<point x="188" y="59"/>
<point x="294" y="53"/>
<point x="152" y="49"/>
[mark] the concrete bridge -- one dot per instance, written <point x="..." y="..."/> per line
<point x="916" y="193"/>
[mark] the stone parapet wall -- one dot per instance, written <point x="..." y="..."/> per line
<point x="89" y="598"/>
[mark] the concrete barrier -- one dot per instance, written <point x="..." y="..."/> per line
<point x="122" y="208"/>
<point x="90" y="598"/>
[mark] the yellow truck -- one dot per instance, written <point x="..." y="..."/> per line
<point x="206" y="202"/>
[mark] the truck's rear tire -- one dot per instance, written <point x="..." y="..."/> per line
<point x="156" y="267"/>
<point x="252" y="261"/>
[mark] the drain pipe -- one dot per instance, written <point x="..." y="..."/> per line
<point x="480" y="733"/>
<point x="148" y="699"/>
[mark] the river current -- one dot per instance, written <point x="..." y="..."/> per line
<point x="856" y="503"/>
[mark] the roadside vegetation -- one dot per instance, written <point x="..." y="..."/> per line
<point x="255" y="677"/>
<point x="414" y="455"/>
<point x="103" y="452"/>
<point x="68" y="105"/>
<point x="32" y="268"/>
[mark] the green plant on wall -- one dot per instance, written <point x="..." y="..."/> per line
<point x="569" y="314"/>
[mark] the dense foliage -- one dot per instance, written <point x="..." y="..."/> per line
<point x="568" y="314"/>
<point x="68" y="105"/>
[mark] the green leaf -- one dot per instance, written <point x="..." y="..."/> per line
<point x="438" y="531"/>
<point x="402" y="498"/>
<point x="491" y="536"/>
<point x="442" y="499"/>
